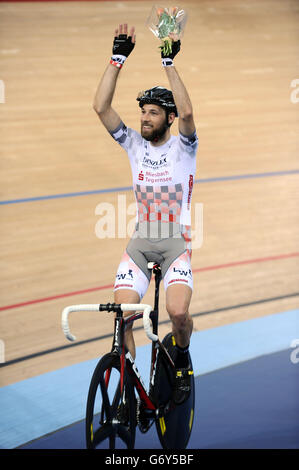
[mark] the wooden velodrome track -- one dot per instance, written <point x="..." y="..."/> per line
<point x="238" y="60"/>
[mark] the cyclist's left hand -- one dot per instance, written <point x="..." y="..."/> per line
<point x="176" y="46"/>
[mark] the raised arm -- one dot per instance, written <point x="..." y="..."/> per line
<point x="181" y="96"/>
<point x="122" y="47"/>
<point x="104" y="96"/>
<point x="182" y="101"/>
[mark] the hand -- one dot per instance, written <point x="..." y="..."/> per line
<point x="123" y="44"/>
<point x="176" y="46"/>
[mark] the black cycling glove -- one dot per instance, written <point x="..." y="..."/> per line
<point x="122" y="48"/>
<point x="169" y="55"/>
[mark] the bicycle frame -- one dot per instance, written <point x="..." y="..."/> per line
<point x="126" y="360"/>
<point x="157" y="404"/>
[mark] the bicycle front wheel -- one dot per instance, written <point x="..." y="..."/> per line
<point x="110" y="414"/>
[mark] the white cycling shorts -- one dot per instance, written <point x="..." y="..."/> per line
<point x="130" y="276"/>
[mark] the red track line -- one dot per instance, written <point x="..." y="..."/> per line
<point x="248" y="261"/>
<point x="54" y="297"/>
<point x="110" y="286"/>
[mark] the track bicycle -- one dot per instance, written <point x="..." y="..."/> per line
<point x="118" y="400"/>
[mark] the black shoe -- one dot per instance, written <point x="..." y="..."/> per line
<point x="182" y="385"/>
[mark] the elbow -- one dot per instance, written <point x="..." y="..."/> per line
<point x="101" y="110"/>
<point x="99" y="105"/>
<point x="186" y="112"/>
<point x="97" y="109"/>
<point x="186" y="115"/>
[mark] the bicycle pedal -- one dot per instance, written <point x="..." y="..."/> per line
<point x="144" y="426"/>
<point x="144" y="418"/>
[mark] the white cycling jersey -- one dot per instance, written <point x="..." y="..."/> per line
<point x="163" y="179"/>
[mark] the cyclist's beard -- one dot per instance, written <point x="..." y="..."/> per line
<point x="156" y="134"/>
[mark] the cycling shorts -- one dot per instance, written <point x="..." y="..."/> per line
<point x="170" y="253"/>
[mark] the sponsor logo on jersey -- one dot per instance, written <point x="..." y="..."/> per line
<point x="190" y="190"/>
<point x="155" y="163"/>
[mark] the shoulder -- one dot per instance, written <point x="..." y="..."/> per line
<point x="187" y="143"/>
<point x="126" y="136"/>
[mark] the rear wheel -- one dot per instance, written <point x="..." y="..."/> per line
<point x="110" y="414"/>
<point x="174" y="424"/>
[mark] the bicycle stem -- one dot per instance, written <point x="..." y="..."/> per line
<point x="118" y="337"/>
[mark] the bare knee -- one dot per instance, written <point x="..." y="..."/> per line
<point x="178" y="313"/>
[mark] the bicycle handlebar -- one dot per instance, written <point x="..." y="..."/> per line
<point x="108" y="307"/>
<point x="146" y="317"/>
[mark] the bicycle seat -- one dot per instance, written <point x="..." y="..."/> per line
<point x="153" y="264"/>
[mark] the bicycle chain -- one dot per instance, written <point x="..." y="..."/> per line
<point x="138" y="411"/>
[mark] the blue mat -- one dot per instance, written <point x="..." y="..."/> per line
<point x="252" y="405"/>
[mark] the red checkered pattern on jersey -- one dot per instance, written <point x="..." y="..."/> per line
<point x="159" y="203"/>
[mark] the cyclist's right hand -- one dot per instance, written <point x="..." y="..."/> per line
<point x="123" y="44"/>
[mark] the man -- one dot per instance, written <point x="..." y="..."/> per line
<point x="163" y="168"/>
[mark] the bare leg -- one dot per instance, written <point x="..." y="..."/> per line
<point x="128" y="296"/>
<point x="178" y="299"/>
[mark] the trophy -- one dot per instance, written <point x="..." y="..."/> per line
<point x="168" y="25"/>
